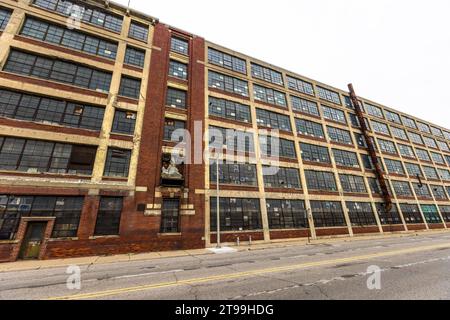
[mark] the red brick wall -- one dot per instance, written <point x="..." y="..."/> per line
<point x="331" y="232"/>
<point x="415" y="227"/>
<point x="289" y="234"/>
<point x="363" y="230"/>
<point x="396" y="228"/>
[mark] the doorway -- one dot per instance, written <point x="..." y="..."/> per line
<point x="32" y="242"/>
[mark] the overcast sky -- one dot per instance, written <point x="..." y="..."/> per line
<point x="396" y="53"/>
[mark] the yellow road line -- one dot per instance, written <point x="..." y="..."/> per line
<point x="222" y="277"/>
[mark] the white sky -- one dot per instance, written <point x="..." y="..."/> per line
<point x="396" y="52"/>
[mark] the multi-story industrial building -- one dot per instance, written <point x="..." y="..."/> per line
<point x="90" y="94"/>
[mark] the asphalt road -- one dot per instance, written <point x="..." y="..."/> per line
<point x="409" y="268"/>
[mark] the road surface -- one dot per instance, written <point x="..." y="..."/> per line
<point x="416" y="267"/>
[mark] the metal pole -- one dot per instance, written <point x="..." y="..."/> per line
<point x="218" y="202"/>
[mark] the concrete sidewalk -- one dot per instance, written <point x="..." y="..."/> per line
<point x="98" y="260"/>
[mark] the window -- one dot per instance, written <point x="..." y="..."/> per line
<point x="447" y="158"/>
<point x="416" y="138"/>
<point x="431" y="214"/>
<point x="439" y="192"/>
<point x="5" y="15"/>
<point x="328" y="214"/>
<point x="320" y="181"/>
<point x="422" y="191"/>
<point x="233" y="140"/>
<point x="394" y="166"/>
<point x="374" y="185"/>
<point x="340" y="136"/>
<point x="16" y="105"/>
<point x="309" y="128"/>
<point x="430" y="173"/>
<point x="117" y="163"/>
<point x="176" y="98"/>
<point x="66" y="210"/>
<point x="355" y="121"/>
<point x="328" y="95"/>
<point x="227" y="61"/>
<point x="447" y="135"/>
<point x="406" y="151"/>
<point x="300" y="86"/>
<point x="352" y="184"/>
<point x="387" y="146"/>
<point x="429" y="142"/>
<point x="228" y="84"/>
<point x="233" y="174"/>
<point x="437" y="132"/>
<point x="287" y="214"/>
<point x="444" y="174"/>
<point x="286" y="148"/>
<point x="393" y="117"/>
<point x="402" y="189"/>
<point x="269" y="96"/>
<point x="170" y="126"/>
<point x="437" y="158"/>
<point x="108" y="216"/>
<point x="413" y="170"/>
<point x="409" y="122"/>
<point x="273" y="120"/>
<point x="346" y="158"/>
<point x="305" y="106"/>
<point x="423" y="127"/>
<point x="130" y="87"/>
<point x="361" y="214"/>
<point x="96" y="16"/>
<point x="411" y="213"/>
<point x="54" y="69"/>
<point x="388" y="218"/>
<point x="445" y="211"/>
<point x="135" y="57"/>
<point x="334" y="114"/>
<point x="379" y="127"/>
<point x="287" y="178"/>
<point x="367" y="162"/>
<point x="315" y="153"/>
<point x="138" y="31"/>
<point x="124" y="122"/>
<point x="236" y="214"/>
<point x="229" y="110"/>
<point x="36" y="156"/>
<point x="267" y="74"/>
<point x="178" y="70"/>
<point x="374" y="111"/>
<point x="443" y="146"/>
<point x="423" y="155"/>
<point x="179" y="45"/>
<point x="73" y="39"/>
<point x="170" y="215"/>
<point x="360" y="140"/>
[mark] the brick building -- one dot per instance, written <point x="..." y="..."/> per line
<point x="87" y="112"/>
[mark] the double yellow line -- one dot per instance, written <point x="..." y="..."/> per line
<point x="114" y="292"/>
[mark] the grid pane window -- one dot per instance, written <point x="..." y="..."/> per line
<point x="406" y="151"/>
<point x="170" y="216"/>
<point x="176" y="98"/>
<point x="388" y="218"/>
<point x="431" y="214"/>
<point x="413" y="170"/>
<point x="138" y="31"/>
<point x="437" y="158"/>
<point x="361" y="214"/>
<point x="439" y="192"/>
<point x="334" y="114"/>
<point x="228" y="84"/>
<point x="135" y="57"/>
<point x="233" y="174"/>
<point x="374" y="111"/>
<point x="267" y="74"/>
<point x="315" y="153"/>
<point x="328" y="95"/>
<point x="379" y="127"/>
<point x="273" y="120"/>
<point x="305" y="106"/>
<point x="108" y="217"/>
<point x="409" y="122"/>
<point x="416" y="138"/>
<point x="387" y="146"/>
<point x="393" y="117"/>
<point x="54" y="69"/>
<point x="352" y="184"/>
<point x="236" y="214"/>
<point x="399" y="133"/>
<point x="89" y="14"/>
<point x="346" y="158"/>
<point x="73" y="39"/>
<point x="429" y="142"/>
<point x="124" y="122"/>
<point x="286" y="148"/>
<point x="16" y="105"/>
<point x="437" y="132"/>
<point x="447" y="135"/>
<point x="339" y="135"/>
<point x="5" y="15"/>
<point x="269" y="96"/>
<point x="411" y="213"/>
<point x="422" y="191"/>
<point x="287" y="178"/>
<point x="287" y="214"/>
<point x="229" y="110"/>
<point x="430" y="173"/>
<point x="130" y="87"/>
<point x="360" y="140"/>
<point x="424" y="127"/>
<point x="443" y="146"/>
<point x="227" y="61"/>
<point x="445" y="211"/>
<point x="355" y="121"/>
<point x="328" y="214"/>
<point x="179" y="45"/>
<point x="444" y="174"/>
<point x="402" y="189"/>
<point x="117" y="163"/>
<point x="233" y="140"/>
<point x="170" y="126"/>
<point x="423" y="154"/>
<point x="394" y="166"/>
<point x="300" y="86"/>
<point x="309" y="128"/>
<point x="178" y="70"/>
<point x="375" y="187"/>
<point x="320" y="181"/>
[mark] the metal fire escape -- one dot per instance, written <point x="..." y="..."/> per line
<point x="372" y="151"/>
